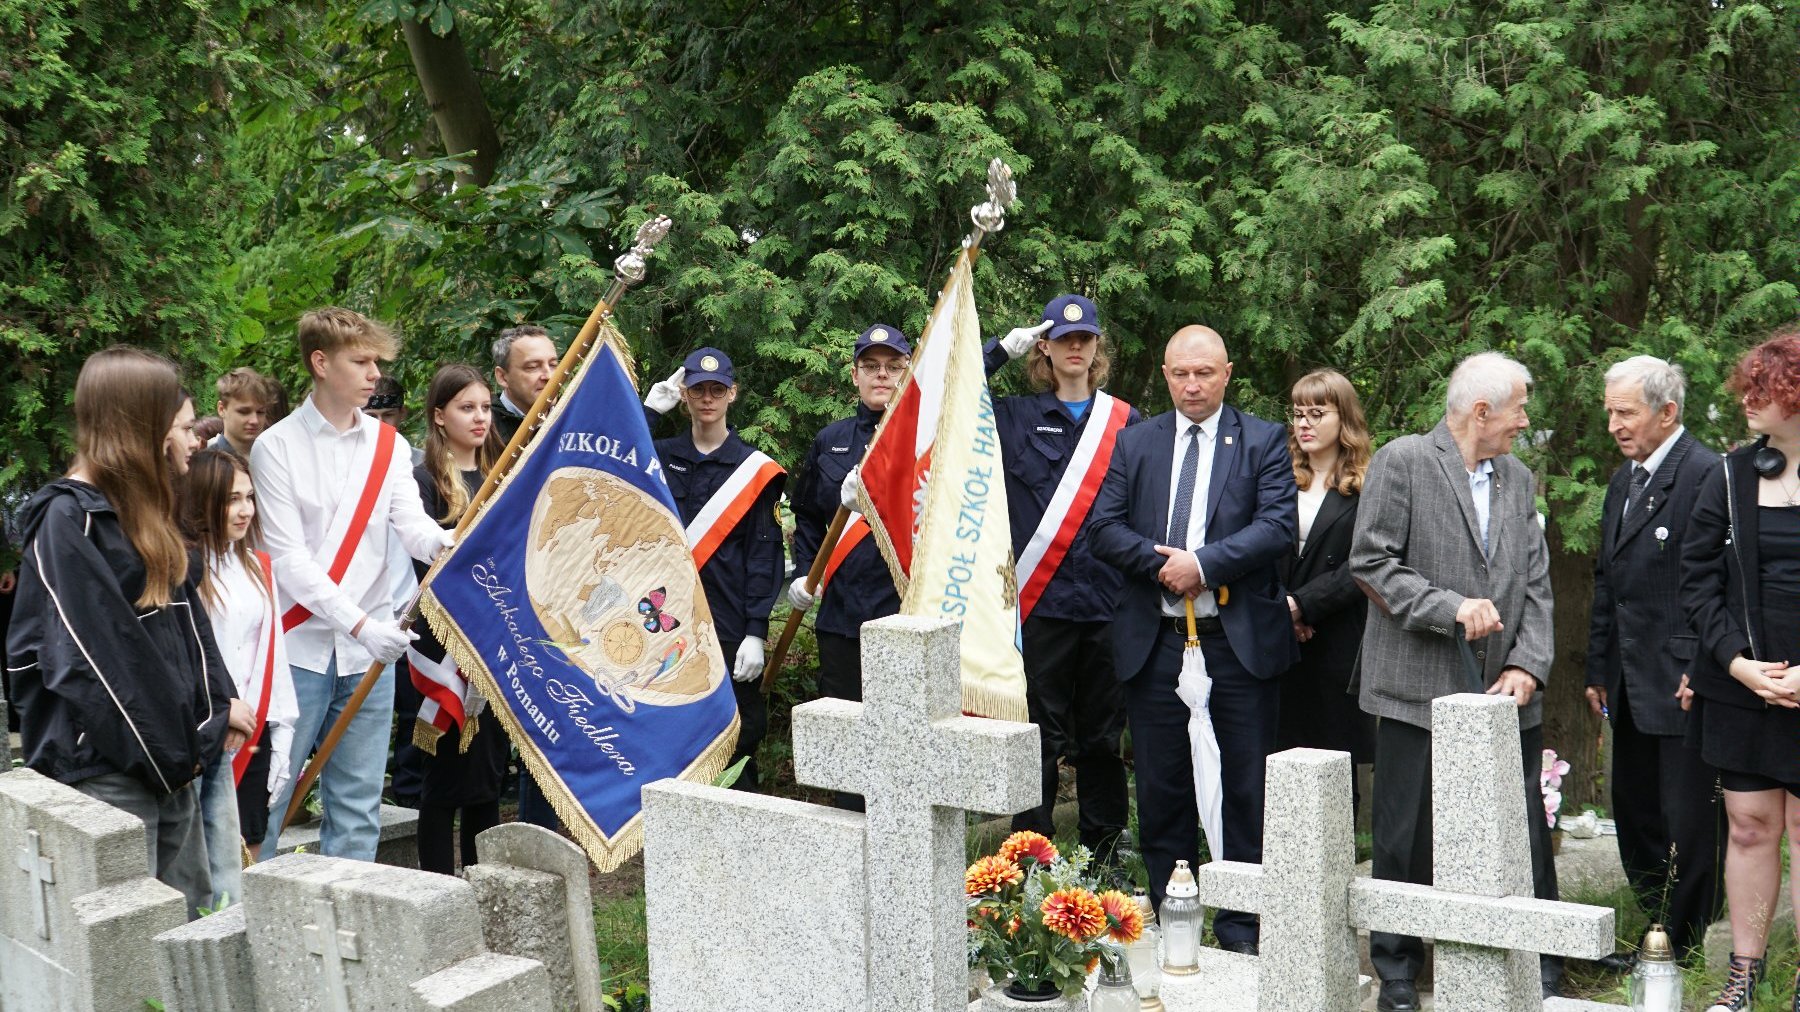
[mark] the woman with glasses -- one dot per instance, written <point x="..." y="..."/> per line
<point x="1330" y="444"/>
<point x="857" y="587"/>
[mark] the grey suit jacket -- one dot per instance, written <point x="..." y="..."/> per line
<point x="1417" y="555"/>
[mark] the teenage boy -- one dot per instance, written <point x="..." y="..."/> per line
<point x="245" y="400"/>
<point x="331" y="484"/>
<point x="524" y="358"/>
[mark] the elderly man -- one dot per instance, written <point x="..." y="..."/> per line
<point x="1640" y="646"/>
<point x="1448" y="547"/>
<point x="1199" y="502"/>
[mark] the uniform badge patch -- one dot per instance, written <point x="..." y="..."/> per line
<point x="1072" y="313"/>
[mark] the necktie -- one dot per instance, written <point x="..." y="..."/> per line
<point x="1640" y="479"/>
<point x="1184" y="491"/>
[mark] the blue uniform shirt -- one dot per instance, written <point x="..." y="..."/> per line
<point x="745" y="573"/>
<point x="862" y="589"/>
<point x="1038" y="434"/>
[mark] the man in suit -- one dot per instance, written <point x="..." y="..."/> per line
<point x="1199" y="502"/>
<point x="1448" y="546"/>
<point x="1640" y="646"/>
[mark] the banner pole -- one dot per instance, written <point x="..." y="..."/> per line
<point x="628" y="270"/>
<point x="813" y="575"/>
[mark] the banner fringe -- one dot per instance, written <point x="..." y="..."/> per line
<point x="984" y="701"/>
<point x="425" y="736"/>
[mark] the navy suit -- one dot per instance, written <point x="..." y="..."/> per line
<point x="1250" y="523"/>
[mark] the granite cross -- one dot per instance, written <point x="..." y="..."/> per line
<point x="333" y="945"/>
<point x="1487" y="925"/>
<point x="42" y="869"/>
<point x="919" y="764"/>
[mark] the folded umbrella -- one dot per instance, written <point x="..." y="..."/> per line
<point x="1195" y="689"/>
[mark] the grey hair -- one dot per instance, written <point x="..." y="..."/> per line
<point x="1664" y="382"/>
<point x="503" y="344"/>
<point x="1489" y="376"/>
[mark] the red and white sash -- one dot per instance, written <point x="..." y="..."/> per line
<point x="444" y="687"/>
<point x="352" y="519"/>
<point x="1073" y="498"/>
<point x="265" y="663"/>
<point x="854" y="532"/>
<point x="729" y="504"/>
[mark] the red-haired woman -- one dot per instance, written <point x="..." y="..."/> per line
<point x="122" y="694"/>
<point x="1740" y="586"/>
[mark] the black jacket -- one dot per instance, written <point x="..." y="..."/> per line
<point x="102" y="685"/>
<point x="1330" y="601"/>
<point x="1721" y="582"/>
<point x="862" y="589"/>
<point x="746" y="572"/>
<point x="1637" y="612"/>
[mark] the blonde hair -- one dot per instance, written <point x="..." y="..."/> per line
<point x="1042" y="376"/>
<point x="1328" y="388"/>
<point x="245" y="384"/>
<point x="125" y="402"/>
<point x="331" y="329"/>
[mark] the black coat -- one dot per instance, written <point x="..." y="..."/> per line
<point x="746" y="572"/>
<point x="102" y="685"/>
<point x="1637" y="611"/>
<point x="863" y="588"/>
<point x="1721" y="582"/>
<point x="1318" y="709"/>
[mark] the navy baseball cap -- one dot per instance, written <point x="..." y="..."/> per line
<point x="1068" y="314"/>
<point x="708" y="365"/>
<point x="881" y="336"/>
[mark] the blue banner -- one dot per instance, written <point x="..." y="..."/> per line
<point x="573" y="604"/>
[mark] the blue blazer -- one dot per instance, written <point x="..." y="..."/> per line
<point x="1251" y="515"/>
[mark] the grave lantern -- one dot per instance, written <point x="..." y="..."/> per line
<point x="1113" y="991"/>
<point x="1180" y="919"/>
<point x="1140" y="955"/>
<point x="1656" y="981"/>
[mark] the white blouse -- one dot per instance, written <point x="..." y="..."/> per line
<point x="239" y="625"/>
<point x="1310" y="501"/>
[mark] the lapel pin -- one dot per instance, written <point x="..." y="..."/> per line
<point x="1227" y="440"/>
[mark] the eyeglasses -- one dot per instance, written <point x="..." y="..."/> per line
<point x="1313" y="415"/>
<point x="893" y="368"/>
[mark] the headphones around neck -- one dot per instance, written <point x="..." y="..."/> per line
<point x="1767" y="461"/>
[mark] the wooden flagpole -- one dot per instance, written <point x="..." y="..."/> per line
<point x="628" y="270"/>
<point x="988" y="216"/>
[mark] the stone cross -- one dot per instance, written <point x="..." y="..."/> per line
<point x="919" y="764"/>
<point x="333" y="945"/>
<point x="1488" y="927"/>
<point x="42" y="870"/>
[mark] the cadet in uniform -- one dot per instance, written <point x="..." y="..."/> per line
<point x="726" y="490"/>
<point x="857" y="586"/>
<point x="1057" y="444"/>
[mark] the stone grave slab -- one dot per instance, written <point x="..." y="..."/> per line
<point x="333" y="934"/>
<point x="490" y="982"/>
<point x="532" y="889"/>
<point x="206" y="964"/>
<point x="398" y="846"/>
<point x="77" y="902"/>
<point x="753" y="902"/>
<point x="919" y="765"/>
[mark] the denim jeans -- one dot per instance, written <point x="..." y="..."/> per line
<point x="351" y="785"/>
<point x="173" y="839"/>
<point x="224" y="843"/>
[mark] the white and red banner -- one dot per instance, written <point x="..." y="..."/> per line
<point x="1070" y="503"/>
<point x="934" y="496"/>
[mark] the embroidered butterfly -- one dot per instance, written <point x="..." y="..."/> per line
<point x="651" y="607"/>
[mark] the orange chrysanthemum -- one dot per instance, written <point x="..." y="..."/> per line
<point x="1124" y="921"/>
<point x="1025" y="843"/>
<point x="1013" y="926"/>
<point x="990" y="875"/>
<point x="1074" y="914"/>
<point x="1093" y="964"/>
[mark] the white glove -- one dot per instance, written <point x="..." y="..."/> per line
<point x="385" y="641"/>
<point x="1019" y="340"/>
<point x="749" y="665"/>
<point x="665" y="395"/>
<point x="851" y="486"/>
<point x="797" y="595"/>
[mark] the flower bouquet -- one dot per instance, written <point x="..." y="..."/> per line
<point x="1550" y="784"/>
<point x="1037" y="922"/>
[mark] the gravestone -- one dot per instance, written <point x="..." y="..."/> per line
<point x="76" y="901"/>
<point x="813" y="908"/>
<point x="333" y="934"/>
<point x="532" y="889"/>
<point x="1488" y="927"/>
<point x="398" y="845"/>
<point x="206" y="964"/>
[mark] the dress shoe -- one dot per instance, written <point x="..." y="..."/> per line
<point x="1247" y="947"/>
<point x="1398" y="996"/>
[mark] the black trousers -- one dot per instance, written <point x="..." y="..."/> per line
<point x="753" y="721"/>
<point x="438" y="831"/>
<point x="1244" y="712"/>
<point x="840" y="677"/>
<point x="1666" y="799"/>
<point x="1079" y="708"/>
<point x="1402" y="827"/>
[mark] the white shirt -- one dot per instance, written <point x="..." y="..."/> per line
<point x="1310" y="501"/>
<point x="511" y="408"/>
<point x="239" y="627"/>
<point x="1662" y="452"/>
<point x="1479" y="481"/>
<point x="1205" y="605"/>
<point x="302" y="466"/>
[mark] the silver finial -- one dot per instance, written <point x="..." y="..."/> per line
<point x="1002" y="193"/>
<point x="629" y="269"/>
